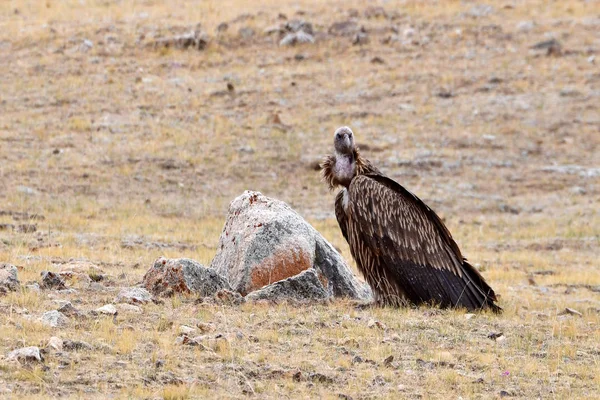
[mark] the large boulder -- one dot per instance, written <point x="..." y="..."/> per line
<point x="305" y="286"/>
<point x="265" y="241"/>
<point x="182" y="275"/>
<point x="8" y="278"/>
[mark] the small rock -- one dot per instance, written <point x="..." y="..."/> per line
<point x="26" y="355"/>
<point x="76" y="345"/>
<point x="55" y="343"/>
<point x="186" y="330"/>
<point x="571" y="311"/>
<point x="388" y="360"/>
<point x="495" y="335"/>
<point x="8" y="278"/>
<point x="195" y="39"/>
<point x="344" y="28"/>
<point x="130" y="308"/>
<point x="246" y="32"/>
<point x="552" y="47"/>
<point x="481" y="10"/>
<point x="169" y="276"/>
<point x="525" y="26"/>
<point x="294" y="38"/>
<point x="361" y="38"/>
<point x="205" y="327"/>
<point x="134" y="295"/>
<point x="228" y="297"/>
<point x="54" y="319"/>
<point x="377" y="60"/>
<point x="376" y="324"/>
<point x="107" y="309"/>
<point x="70" y="311"/>
<point x="578" y="190"/>
<point x="569" y="92"/>
<point x="305" y="286"/>
<point x="469" y="316"/>
<point x="222" y="27"/>
<point x="27" y="190"/>
<point x="51" y="280"/>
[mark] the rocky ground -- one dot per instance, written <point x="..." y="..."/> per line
<point x="127" y="128"/>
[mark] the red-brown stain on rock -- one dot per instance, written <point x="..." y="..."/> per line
<point x="283" y="264"/>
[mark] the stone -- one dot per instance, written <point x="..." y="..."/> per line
<point x="69" y="310"/>
<point x="55" y="343"/>
<point x="294" y="38"/>
<point x="76" y="345"/>
<point x="186" y="330"/>
<point x="264" y="241"/>
<point x="9" y="281"/>
<point x="107" y="309"/>
<point x="26" y="355"/>
<point x="54" y="319"/>
<point x="51" y="280"/>
<point x="194" y="39"/>
<point x="305" y="286"/>
<point x="246" y="32"/>
<point x="182" y="275"/>
<point x="133" y="295"/>
<point x="130" y="308"/>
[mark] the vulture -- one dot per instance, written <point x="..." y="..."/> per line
<point x="400" y="245"/>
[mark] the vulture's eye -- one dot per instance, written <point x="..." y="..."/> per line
<point x="338" y="135"/>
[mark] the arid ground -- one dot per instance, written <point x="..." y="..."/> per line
<point x="115" y="150"/>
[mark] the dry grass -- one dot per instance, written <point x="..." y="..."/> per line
<point x="132" y="153"/>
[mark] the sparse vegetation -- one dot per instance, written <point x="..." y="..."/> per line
<point x="131" y="153"/>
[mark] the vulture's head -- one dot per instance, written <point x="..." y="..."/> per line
<point x="343" y="140"/>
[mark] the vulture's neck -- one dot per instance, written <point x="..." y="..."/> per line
<point x="339" y="169"/>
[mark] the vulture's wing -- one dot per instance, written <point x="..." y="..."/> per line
<point x="399" y="239"/>
<point x="340" y="215"/>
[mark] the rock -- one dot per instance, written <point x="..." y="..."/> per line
<point x="227" y="297"/>
<point x="360" y="39"/>
<point x="8" y="278"/>
<point x="186" y="330"/>
<point x="571" y="311"/>
<point x="299" y="25"/>
<point x="495" y="335"/>
<point x="55" y="343"/>
<point x="305" y="286"/>
<point x="376" y="324"/>
<point x="222" y="27"/>
<point x="182" y="275"/>
<point x="51" y="280"/>
<point x="70" y="311"/>
<point x="344" y="28"/>
<point x="76" y="345"/>
<point x="130" y="308"/>
<point x="133" y="295"/>
<point x="552" y="47"/>
<point x="294" y="38"/>
<point x="26" y="355"/>
<point x="246" y="32"/>
<point x="480" y="10"/>
<point x="195" y="39"/>
<point x="525" y="26"/>
<point x="265" y="241"/>
<point x="55" y="319"/>
<point x="107" y="309"/>
<point x="205" y="327"/>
